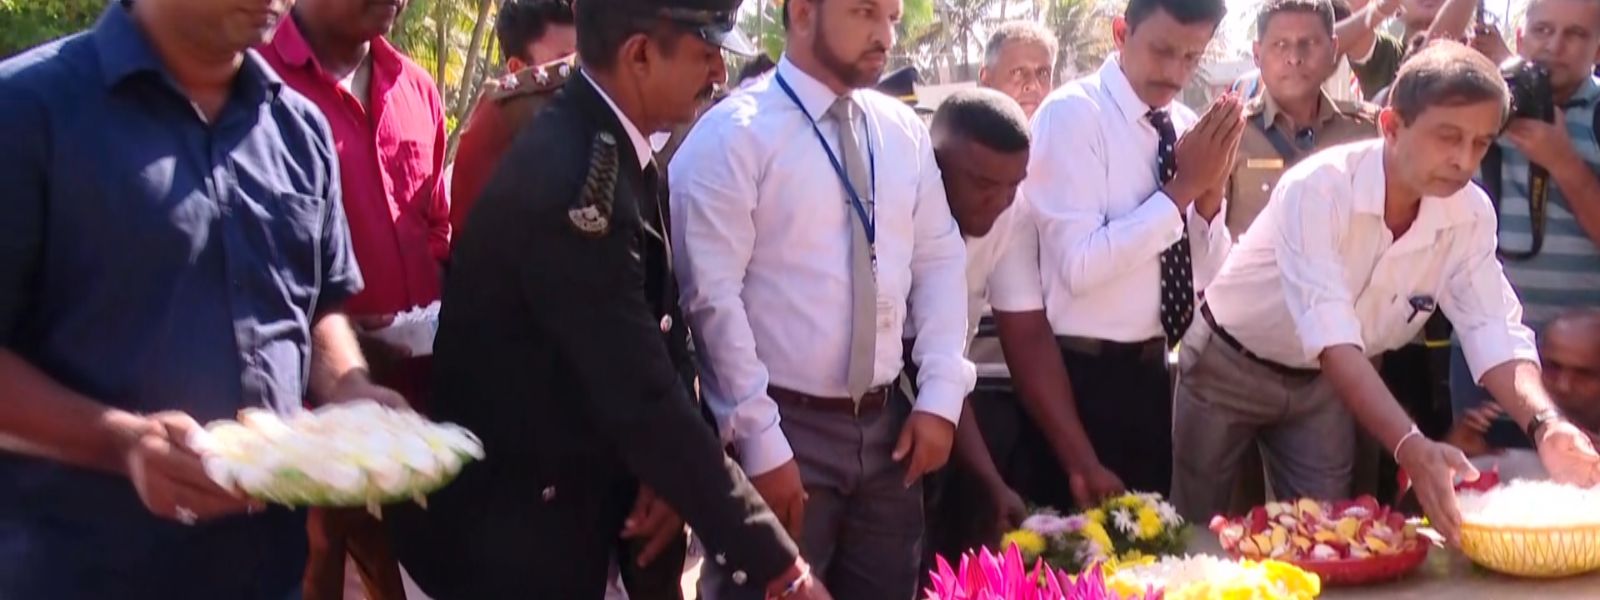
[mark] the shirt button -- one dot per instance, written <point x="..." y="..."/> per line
<point x="739" y="577"/>
<point x="722" y="559"/>
<point x="1265" y="187"/>
<point x="548" y="494"/>
<point x="666" y="324"/>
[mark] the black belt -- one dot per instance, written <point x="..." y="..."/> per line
<point x="1222" y="334"/>
<point x="1152" y="349"/>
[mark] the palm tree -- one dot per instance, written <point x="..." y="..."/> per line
<point x="953" y="32"/>
<point x="1083" y="32"/>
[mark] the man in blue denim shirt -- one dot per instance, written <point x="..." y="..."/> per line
<point x="172" y="251"/>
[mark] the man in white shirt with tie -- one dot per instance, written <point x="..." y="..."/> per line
<point x="1358" y="245"/>
<point x="1127" y="230"/>
<point x="811" y="231"/>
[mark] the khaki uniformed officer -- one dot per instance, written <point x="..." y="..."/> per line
<point x="1294" y="118"/>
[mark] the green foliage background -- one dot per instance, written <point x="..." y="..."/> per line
<point x="28" y="23"/>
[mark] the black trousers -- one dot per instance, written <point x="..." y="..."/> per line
<point x="957" y="504"/>
<point x="1124" y="397"/>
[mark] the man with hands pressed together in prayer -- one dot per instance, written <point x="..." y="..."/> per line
<point x="1357" y="247"/>
<point x="1128" y="228"/>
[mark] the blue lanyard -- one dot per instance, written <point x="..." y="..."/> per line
<point x="868" y="222"/>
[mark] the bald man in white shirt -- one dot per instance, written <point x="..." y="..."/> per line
<point x="1357" y="247"/>
<point x="812" y="230"/>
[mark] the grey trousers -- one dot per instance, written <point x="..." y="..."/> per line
<point x="863" y="527"/>
<point x="1225" y="402"/>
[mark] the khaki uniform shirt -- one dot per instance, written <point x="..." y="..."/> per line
<point x="504" y="105"/>
<point x="1259" y="164"/>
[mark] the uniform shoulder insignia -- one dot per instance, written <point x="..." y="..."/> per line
<point x="539" y="80"/>
<point x="591" y="213"/>
<point x="1363" y="111"/>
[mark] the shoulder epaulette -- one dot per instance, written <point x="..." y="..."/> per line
<point x="540" y="80"/>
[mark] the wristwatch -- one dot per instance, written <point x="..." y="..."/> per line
<point x="1541" y="420"/>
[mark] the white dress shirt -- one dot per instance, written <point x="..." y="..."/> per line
<point x="641" y="144"/>
<point x="983" y="257"/>
<point x="1101" y="216"/>
<point x="763" y="231"/>
<point x="1319" y="268"/>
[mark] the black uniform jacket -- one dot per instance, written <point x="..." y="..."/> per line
<point x="561" y="345"/>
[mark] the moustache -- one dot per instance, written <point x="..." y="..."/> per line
<point x="877" y="51"/>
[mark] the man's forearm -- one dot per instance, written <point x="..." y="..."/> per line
<point x="1581" y="188"/>
<point x="1357" y="383"/>
<point x="1042" y="384"/>
<point x="971" y="453"/>
<point x="40" y="417"/>
<point x="1517" y="386"/>
<point x="1357" y="33"/>
<point x="335" y="354"/>
<point x="1453" y="21"/>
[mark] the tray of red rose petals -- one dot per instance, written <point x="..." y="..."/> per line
<point x="1351" y="542"/>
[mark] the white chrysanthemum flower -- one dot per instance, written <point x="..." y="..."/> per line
<point x="344" y="455"/>
<point x="1125" y="521"/>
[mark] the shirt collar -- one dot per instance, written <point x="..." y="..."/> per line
<point x="290" y="44"/>
<point x="815" y="97"/>
<point x="1268" y="107"/>
<point x="125" y="52"/>
<point x="1435" y="214"/>
<point x="1116" y="83"/>
<point x="641" y="144"/>
<point x="1587" y="93"/>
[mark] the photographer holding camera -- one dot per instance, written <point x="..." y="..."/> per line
<point x="1542" y="175"/>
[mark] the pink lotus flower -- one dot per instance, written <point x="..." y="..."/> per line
<point x="984" y="576"/>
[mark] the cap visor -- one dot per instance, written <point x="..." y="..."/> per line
<point x="731" y="40"/>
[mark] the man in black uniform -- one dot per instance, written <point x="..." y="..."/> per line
<point x="561" y="344"/>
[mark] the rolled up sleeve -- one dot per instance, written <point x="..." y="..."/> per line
<point x="713" y="216"/>
<point x="1307" y="251"/>
<point x="1015" y="285"/>
<point x="938" y="298"/>
<point x="1483" y="308"/>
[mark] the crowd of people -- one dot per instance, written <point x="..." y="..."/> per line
<point x="832" y="336"/>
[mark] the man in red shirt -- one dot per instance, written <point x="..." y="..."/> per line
<point x="389" y="130"/>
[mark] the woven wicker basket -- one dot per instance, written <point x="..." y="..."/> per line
<point x="1533" y="551"/>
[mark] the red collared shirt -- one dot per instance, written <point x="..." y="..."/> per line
<point x="391" y="161"/>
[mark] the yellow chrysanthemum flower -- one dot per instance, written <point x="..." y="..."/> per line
<point x="1031" y="544"/>
<point x="1149" y="523"/>
<point x="1095" y="532"/>
<point x="1297" y="581"/>
<point x="1095" y="516"/>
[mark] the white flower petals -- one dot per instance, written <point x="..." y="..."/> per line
<point x="353" y="454"/>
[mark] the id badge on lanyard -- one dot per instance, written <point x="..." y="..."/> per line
<point x="869" y="222"/>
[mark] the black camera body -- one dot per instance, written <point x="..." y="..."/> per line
<point x="1531" y="97"/>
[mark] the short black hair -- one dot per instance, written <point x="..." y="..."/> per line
<point x="1446" y="73"/>
<point x="1323" y="9"/>
<point x="1187" y="12"/>
<point x="985" y="116"/>
<point x="522" y="22"/>
<point x="605" y="25"/>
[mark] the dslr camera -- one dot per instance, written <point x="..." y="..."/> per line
<point x="1529" y="83"/>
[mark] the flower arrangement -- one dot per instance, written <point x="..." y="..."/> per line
<point x="984" y="575"/>
<point x="1210" y="578"/>
<point x="1125" y="529"/>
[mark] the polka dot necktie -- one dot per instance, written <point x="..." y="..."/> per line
<point x="1177" y="269"/>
